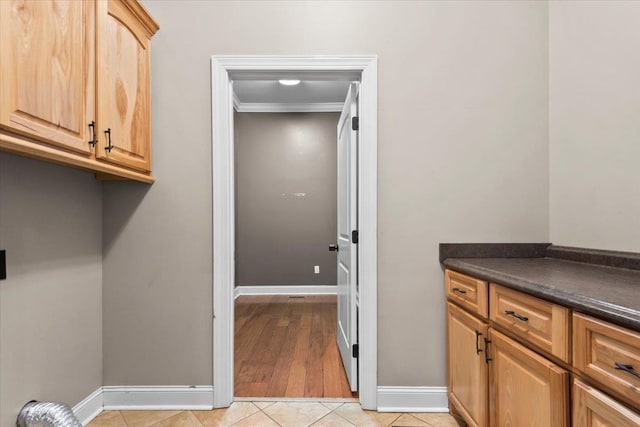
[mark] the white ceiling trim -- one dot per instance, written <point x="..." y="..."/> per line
<point x="307" y="107"/>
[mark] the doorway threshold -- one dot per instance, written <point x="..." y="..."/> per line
<point x="297" y="399"/>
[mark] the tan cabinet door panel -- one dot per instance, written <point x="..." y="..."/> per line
<point x="468" y="379"/>
<point x="123" y="87"/>
<point x="47" y="60"/>
<point x="525" y="388"/>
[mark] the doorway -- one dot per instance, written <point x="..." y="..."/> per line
<point x="286" y="217"/>
<point x="225" y="69"/>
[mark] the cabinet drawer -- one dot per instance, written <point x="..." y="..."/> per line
<point x="592" y="408"/>
<point x="543" y="324"/>
<point x="609" y="354"/>
<point x="467" y="291"/>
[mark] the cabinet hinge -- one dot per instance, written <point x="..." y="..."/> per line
<point x="355" y="123"/>
<point x="354" y="236"/>
<point x="355" y="349"/>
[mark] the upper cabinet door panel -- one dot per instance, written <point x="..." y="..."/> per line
<point x="47" y="70"/>
<point x="123" y="87"/>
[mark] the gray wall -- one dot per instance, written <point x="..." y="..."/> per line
<point x="51" y="302"/>
<point x="595" y="124"/>
<point x="279" y="237"/>
<point x="463" y="156"/>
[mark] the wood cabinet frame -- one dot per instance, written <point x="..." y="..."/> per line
<point x="550" y="365"/>
<point x="49" y="137"/>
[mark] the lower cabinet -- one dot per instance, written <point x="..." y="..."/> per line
<point x="495" y="377"/>
<point x="592" y="408"/>
<point x="525" y="388"/>
<point x="468" y="370"/>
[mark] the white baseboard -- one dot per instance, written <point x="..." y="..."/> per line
<point x="89" y="408"/>
<point x="412" y="399"/>
<point x="285" y="290"/>
<point x="157" y="397"/>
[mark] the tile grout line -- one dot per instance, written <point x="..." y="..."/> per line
<point x="334" y="413"/>
<point x="267" y="415"/>
<point x="394" y="420"/>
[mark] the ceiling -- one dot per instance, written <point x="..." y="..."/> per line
<point x="272" y="92"/>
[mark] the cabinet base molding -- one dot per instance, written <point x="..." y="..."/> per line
<point x="28" y="148"/>
<point x="412" y="399"/>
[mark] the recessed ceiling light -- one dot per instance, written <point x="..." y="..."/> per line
<point x="289" y="82"/>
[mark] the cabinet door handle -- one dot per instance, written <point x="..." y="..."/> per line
<point x="459" y="291"/>
<point x="478" y="335"/>
<point x="516" y="315"/>
<point x="627" y="368"/>
<point x="109" y="147"/>
<point x="94" y="137"/>
<point x="487" y="359"/>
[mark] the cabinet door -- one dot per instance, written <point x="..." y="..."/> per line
<point x="468" y="371"/>
<point x="47" y="63"/>
<point x="525" y="389"/>
<point x="123" y="86"/>
<point x="592" y="408"/>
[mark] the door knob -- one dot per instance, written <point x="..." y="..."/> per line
<point x="333" y="248"/>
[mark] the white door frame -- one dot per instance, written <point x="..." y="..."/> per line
<point x="225" y="68"/>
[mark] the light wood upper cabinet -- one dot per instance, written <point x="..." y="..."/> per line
<point x="468" y="374"/>
<point x="71" y="70"/>
<point x="123" y="85"/>
<point x="47" y="75"/>
<point x="526" y="389"/>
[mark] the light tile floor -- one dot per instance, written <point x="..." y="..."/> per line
<point x="273" y="414"/>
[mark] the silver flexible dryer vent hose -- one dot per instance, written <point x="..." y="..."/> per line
<point x="47" y="414"/>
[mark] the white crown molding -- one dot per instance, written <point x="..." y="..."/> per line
<point x="286" y="290"/>
<point x="89" y="408"/>
<point x="157" y="397"/>
<point x="412" y="399"/>
<point x="274" y="107"/>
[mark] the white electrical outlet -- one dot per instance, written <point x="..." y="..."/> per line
<point x="316" y="269"/>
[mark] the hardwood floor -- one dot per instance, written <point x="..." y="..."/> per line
<point x="286" y="347"/>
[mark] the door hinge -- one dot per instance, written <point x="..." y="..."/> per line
<point x="355" y="123"/>
<point x="354" y="236"/>
<point x="355" y="349"/>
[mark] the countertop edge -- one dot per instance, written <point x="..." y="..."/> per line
<point x="580" y="303"/>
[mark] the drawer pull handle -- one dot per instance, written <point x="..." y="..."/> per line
<point x="516" y="315"/>
<point x="627" y="368"/>
<point x="459" y="291"/>
<point x="478" y="335"/>
<point x="109" y="147"/>
<point x="94" y="137"/>
<point x="487" y="359"/>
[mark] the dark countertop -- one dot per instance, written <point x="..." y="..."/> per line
<point x="610" y="293"/>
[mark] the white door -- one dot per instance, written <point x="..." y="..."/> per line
<point x="347" y="224"/>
